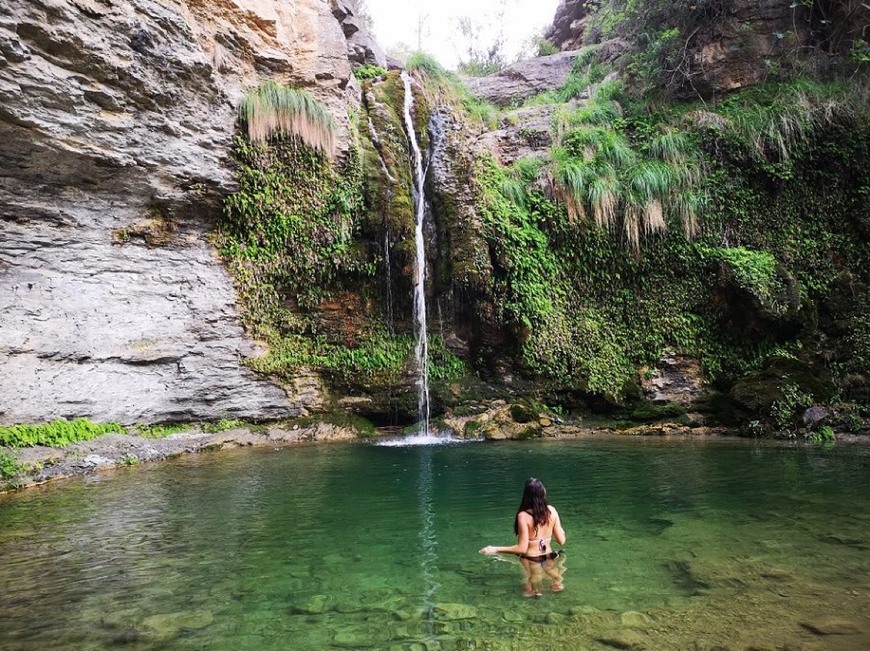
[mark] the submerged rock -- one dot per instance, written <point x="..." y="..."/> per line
<point x="832" y="627"/>
<point x="167" y="626"/>
<point x="316" y="605"/>
<point x="633" y="619"/>
<point x="451" y="612"/>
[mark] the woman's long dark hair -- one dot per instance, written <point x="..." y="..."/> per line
<point x="534" y="502"/>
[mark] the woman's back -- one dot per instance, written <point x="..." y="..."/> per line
<point x="541" y="535"/>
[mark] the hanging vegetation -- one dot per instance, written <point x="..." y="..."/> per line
<point x="596" y="171"/>
<point x="272" y="107"/>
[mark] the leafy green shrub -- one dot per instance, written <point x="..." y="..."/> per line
<point x="9" y="467"/>
<point x="784" y="411"/>
<point x="824" y="434"/>
<point x="369" y="71"/>
<point x="544" y="48"/>
<point x="57" y="433"/>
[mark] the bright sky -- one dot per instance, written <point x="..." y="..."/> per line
<point x="399" y="21"/>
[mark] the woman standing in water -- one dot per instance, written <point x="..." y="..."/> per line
<point x="536" y="524"/>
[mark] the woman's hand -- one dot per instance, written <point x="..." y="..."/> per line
<point x="489" y="549"/>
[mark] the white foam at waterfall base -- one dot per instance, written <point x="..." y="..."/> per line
<point x="429" y="438"/>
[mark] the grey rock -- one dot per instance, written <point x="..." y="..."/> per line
<point x="95" y="460"/>
<point x="824" y="627"/>
<point x="362" y="48"/>
<point x="13" y="50"/>
<point x="566" y="32"/>
<point x="612" y="49"/>
<point x="815" y="416"/>
<point x="108" y="111"/>
<point x="674" y="379"/>
<point x="520" y="134"/>
<point x="524" y="79"/>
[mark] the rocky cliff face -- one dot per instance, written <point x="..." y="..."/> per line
<point x="117" y="118"/>
<point x="566" y="32"/>
<point x="723" y="46"/>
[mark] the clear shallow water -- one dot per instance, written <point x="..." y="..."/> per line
<point x="671" y="546"/>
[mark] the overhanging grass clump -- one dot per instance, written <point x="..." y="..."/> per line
<point x="272" y="107"/>
<point x="600" y="168"/>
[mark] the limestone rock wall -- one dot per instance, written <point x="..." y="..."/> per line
<point x="116" y="119"/>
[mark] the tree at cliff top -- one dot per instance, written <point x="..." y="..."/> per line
<point x="481" y="48"/>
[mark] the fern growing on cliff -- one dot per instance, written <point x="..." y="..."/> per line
<point x="271" y="107"/>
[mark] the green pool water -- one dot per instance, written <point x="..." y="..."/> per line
<point x="671" y="545"/>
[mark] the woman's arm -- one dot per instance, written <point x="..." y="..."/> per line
<point x="522" y="545"/>
<point x="558" y="531"/>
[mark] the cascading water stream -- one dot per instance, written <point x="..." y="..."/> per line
<point x="421" y="349"/>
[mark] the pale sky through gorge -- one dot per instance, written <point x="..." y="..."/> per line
<point x="396" y="21"/>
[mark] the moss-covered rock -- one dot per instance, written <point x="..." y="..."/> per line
<point x="757" y="393"/>
<point x="651" y="412"/>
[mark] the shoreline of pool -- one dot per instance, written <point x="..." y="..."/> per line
<point x="48" y="465"/>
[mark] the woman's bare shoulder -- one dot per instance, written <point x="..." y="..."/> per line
<point x="553" y="510"/>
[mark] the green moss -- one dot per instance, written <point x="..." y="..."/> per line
<point x="471" y="428"/>
<point x="160" y="431"/>
<point x="363" y="426"/>
<point x="523" y="414"/>
<point x="226" y="424"/>
<point x="155" y="230"/>
<point x="529" y="433"/>
<point x="650" y="412"/>
<point x="57" y="433"/>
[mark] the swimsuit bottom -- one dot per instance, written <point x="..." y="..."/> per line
<point x="540" y="559"/>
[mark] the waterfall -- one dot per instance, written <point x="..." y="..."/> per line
<point x="421" y="349"/>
